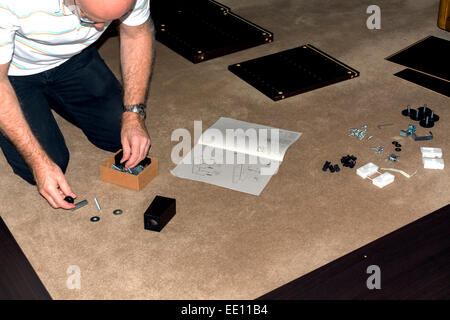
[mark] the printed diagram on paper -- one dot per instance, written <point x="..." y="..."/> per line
<point x="251" y="166"/>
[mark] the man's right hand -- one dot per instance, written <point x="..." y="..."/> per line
<point x="50" y="179"/>
<point x="52" y="184"/>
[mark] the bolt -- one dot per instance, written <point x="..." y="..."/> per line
<point x="432" y="114"/>
<point x="424" y="108"/>
<point x="409" y="109"/>
<point x="385" y="125"/>
<point x="97" y="204"/>
<point x="378" y="149"/>
<point x="417" y="114"/>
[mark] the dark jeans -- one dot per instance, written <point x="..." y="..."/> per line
<point x="83" y="91"/>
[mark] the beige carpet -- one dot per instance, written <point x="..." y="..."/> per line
<point x="224" y="244"/>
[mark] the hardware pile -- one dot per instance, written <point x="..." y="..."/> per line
<point x="424" y="115"/>
<point x="398" y="146"/>
<point x="358" y="133"/>
<point x="347" y="161"/>
<point x="333" y="168"/>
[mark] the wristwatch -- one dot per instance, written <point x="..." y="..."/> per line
<point x="140" y="109"/>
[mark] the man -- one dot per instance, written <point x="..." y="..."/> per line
<point x="46" y="62"/>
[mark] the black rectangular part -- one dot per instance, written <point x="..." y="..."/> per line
<point x="145" y="162"/>
<point x="413" y="262"/>
<point x="159" y="213"/>
<point x="294" y="71"/>
<point x="204" y="29"/>
<point x="430" y="55"/>
<point x="426" y="81"/>
<point x="18" y="279"/>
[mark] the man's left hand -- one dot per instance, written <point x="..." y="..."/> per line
<point x="135" y="139"/>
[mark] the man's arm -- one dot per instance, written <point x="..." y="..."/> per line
<point x="48" y="175"/>
<point x="136" y="59"/>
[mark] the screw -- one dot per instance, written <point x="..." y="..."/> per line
<point x="417" y="114"/>
<point x="378" y="149"/>
<point x="426" y="122"/>
<point x="97" y="204"/>
<point x="432" y="114"/>
<point x="424" y="108"/>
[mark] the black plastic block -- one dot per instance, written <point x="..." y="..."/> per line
<point x="159" y="213"/>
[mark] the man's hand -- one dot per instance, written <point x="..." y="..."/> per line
<point x="135" y="139"/>
<point x="52" y="184"/>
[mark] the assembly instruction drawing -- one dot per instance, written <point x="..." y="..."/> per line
<point x="236" y="155"/>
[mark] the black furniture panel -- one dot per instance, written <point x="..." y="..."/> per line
<point x="200" y="30"/>
<point x="430" y="55"/>
<point x="18" y="280"/>
<point x="426" y="81"/>
<point x="293" y="71"/>
<point x="414" y="263"/>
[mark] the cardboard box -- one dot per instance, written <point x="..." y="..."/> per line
<point x="128" y="180"/>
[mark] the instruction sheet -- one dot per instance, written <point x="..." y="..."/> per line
<point x="237" y="155"/>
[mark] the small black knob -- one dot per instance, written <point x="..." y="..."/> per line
<point x="326" y="165"/>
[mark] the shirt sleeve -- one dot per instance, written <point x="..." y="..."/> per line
<point x="138" y="15"/>
<point x="8" y="27"/>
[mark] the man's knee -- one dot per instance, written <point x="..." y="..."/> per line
<point x="61" y="158"/>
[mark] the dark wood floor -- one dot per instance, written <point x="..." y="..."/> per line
<point x="18" y="280"/>
<point x="414" y="263"/>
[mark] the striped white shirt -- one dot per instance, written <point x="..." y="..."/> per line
<point x="38" y="35"/>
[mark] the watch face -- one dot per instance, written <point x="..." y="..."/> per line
<point x="141" y="112"/>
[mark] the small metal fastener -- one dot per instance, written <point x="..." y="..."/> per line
<point x="79" y="205"/>
<point x="95" y="219"/>
<point x="117" y="212"/>
<point x="384" y="125"/>
<point x="97" y="204"/>
<point x="378" y="149"/>
<point x="393" y="157"/>
<point x="361" y="135"/>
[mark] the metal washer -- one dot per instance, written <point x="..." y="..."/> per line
<point x="117" y="212"/>
<point x="95" y="219"/>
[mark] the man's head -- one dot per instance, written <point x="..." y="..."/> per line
<point x="101" y="11"/>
